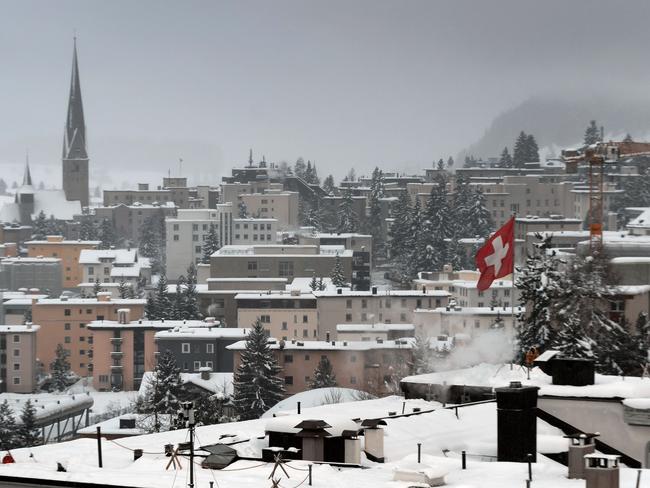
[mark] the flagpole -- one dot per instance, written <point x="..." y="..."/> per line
<point x="514" y="267"/>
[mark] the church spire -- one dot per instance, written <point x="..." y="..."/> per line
<point x="74" y="137"/>
<point x="27" y="176"/>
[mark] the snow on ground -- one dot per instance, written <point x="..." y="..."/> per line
<point x="496" y="375"/>
<point x="442" y="434"/>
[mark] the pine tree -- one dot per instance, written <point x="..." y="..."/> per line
<point x="300" y="168"/>
<point x="506" y="160"/>
<point x="415" y="246"/>
<point x="324" y="376"/>
<point x="97" y="287"/>
<point x="321" y="284"/>
<point x="8" y="434"/>
<point x="520" y="152"/>
<point x="28" y="432"/>
<point x="479" y="220"/>
<point x="60" y="369"/>
<point x="329" y="185"/>
<point x="191" y="309"/>
<point x="257" y="382"/>
<point x="39" y="227"/>
<point x="52" y="227"/>
<point x="437" y="228"/>
<point x="592" y="133"/>
<point x="3" y="187"/>
<point x="401" y="226"/>
<point x="107" y="235"/>
<point x="313" y="283"/>
<point x="628" y="138"/>
<point x="422" y="356"/>
<point x="152" y="241"/>
<point x="532" y="151"/>
<point x="160" y="305"/>
<point x="348" y="221"/>
<point x="375" y="226"/>
<point x="211" y="244"/>
<point x="87" y="230"/>
<point x="123" y="288"/>
<point x="337" y="275"/>
<point x="450" y="162"/>
<point x="176" y="312"/>
<point x="162" y="395"/>
<point x="441" y="165"/>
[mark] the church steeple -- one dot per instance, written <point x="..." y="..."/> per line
<point x="27" y="176"/>
<point x="74" y="137"/>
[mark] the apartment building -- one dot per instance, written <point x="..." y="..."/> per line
<point x="534" y="224"/>
<point x="114" y="266"/>
<point x="284" y="314"/>
<point x="273" y="204"/>
<point x="187" y="232"/>
<point x="31" y="273"/>
<point x="344" y="306"/>
<point x="254" y="231"/>
<point x="372" y="332"/>
<point x="65" y="321"/>
<point x="123" y="349"/>
<point x="18" y="368"/>
<point x="230" y="191"/>
<point x="15" y="233"/>
<point x="196" y="348"/>
<point x="67" y="251"/>
<point x="366" y="366"/>
<point x="271" y="261"/>
<point x="128" y="220"/>
<point x="469" y="321"/>
<point x="174" y="190"/>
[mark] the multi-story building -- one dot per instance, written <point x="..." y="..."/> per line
<point x="173" y="190"/>
<point x="128" y="220"/>
<point x="67" y="251"/>
<point x="230" y="191"/>
<point x="343" y="306"/>
<point x="534" y="224"/>
<point x="18" y="367"/>
<point x="470" y="321"/>
<point x="114" y="266"/>
<point x="15" y="233"/>
<point x="372" y="332"/>
<point x="284" y="314"/>
<point x="271" y="261"/>
<point x="195" y="348"/>
<point x="361" y="365"/>
<point x="65" y="321"/>
<point x="279" y="205"/>
<point x="254" y="231"/>
<point x="31" y="273"/>
<point x="187" y="232"/>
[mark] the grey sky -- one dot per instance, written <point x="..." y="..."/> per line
<point x="345" y="83"/>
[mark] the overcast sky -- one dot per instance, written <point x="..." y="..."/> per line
<point x="346" y="83"/>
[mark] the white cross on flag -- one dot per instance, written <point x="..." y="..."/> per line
<point x="496" y="258"/>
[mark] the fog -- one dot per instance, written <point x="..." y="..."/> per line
<point x="343" y="83"/>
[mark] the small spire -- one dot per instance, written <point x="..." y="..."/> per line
<point x="250" y="157"/>
<point x="27" y="177"/>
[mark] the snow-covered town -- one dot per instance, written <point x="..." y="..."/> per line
<point x="292" y="244"/>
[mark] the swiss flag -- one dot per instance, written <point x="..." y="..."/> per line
<point x="496" y="258"/>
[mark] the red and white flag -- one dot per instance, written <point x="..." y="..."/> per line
<point x="496" y="258"/>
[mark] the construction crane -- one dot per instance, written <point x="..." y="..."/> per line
<point x="595" y="217"/>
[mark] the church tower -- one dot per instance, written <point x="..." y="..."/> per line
<point x="75" y="156"/>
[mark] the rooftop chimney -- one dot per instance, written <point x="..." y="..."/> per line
<point x="374" y="290"/>
<point x="516" y="422"/>
<point x="205" y="373"/>
<point x="123" y="315"/>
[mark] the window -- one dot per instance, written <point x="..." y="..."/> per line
<point x="195" y="227"/>
<point x="353" y="358"/>
<point x="16" y="353"/>
<point x="82" y="352"/>
<point x="195" y="237"/>
<point x="418" y="303"/>
<point x="305" y="333"/>
<point x="197" y="365"/>
<point x="506" y="293"/>
<point x="305" y="319"/>
<point x="353" y="380"/>
<point x="175" y="228"/>
<point x="288" y="358"/>
<point x="82" y="339"/>
<point x="185" y="347"/>
<point x="204" y="226"/>
<point x="106" y="271"/>
<point x="306" y="357"/>
<point x="364" y="316"/>
<point x="252" y="265"/>
<point x="209" y="364"/>
<point x="16" y="366"/>
<point x="364" y="303"/>
<point x="16" y="380"/>
<point x="286" y="268"/>
<point x="348" y="317"/>
<point x="284" y="326"/>
<point x="103" y="378"/>
<point x="268" y="237"/>
<point x="16" y="338"/>
<point x="388" y="304"/>
<point x="477" y="324"/>
<point x="67" y="340"/>
<point x="66" y="312"/>
<point x="209" y="348"/>
<point x="288" y="380"/>
<point x="348" y="303"/>
<point x="265" y="319"/>
<point x="91" y="270"/>
<point x="403" y="302"/>
<point x="402" y="317"/>
<point x="66" y="326"/>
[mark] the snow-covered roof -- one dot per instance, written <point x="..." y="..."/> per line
<point x="226" y="280"/>
<point x="505" y="311"/>
<point x="287" y="424"/>
<point x="220" y="384"/>
<point x="19" y="329"/>
<point x="472" y="284"/>
<point x="126" y="271"/>
<point x="116" y="256"/>
<point x="214" y="332"/>
<point x="373" y="327"/>
<point x="405" y="343"/>
<point x="302" y="284"/>
<point x="291" y="250"/>
<point x="630" y="289"/>
<point x="65" y="242"/>
<point x="346" y="292"/>
<point x="631" y="260"/>
<point x="92" y="301"/>
<point x="147" y="324"/>
<point x="493" y="375"/>
<point x="640" y="222"/>
<point x="29" y="260"/>
<point x="274" y="295"/>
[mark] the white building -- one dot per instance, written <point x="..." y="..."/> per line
<point x="254" y="231"/>
<point x="114" y="266"/>
<point x="470" y="321"/>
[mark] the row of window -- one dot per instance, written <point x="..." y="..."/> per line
<point x="364" y="318"/>
<point x="255" y="226"/>
<point x="186" y="348"/>
<point x="256" y="237"/>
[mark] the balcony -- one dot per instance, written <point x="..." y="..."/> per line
<point x="117" y="354"/>
<point x="115" y="367"/>
<point x="116" y="340"/>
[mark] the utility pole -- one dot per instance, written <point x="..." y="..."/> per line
<point x="186" y="420"/>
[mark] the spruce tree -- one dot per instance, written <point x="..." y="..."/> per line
<point x="479" y="221"/>
<point x="28" y="432"/>
<point x="87" y="230"/>
<point x="329" y="185"/>
<point x="97" y="287"/>
<point x="107" y="235"/>
<point x="324" y="376"/>
<point x="152" y="242"/>
<point x="337" y="275"/>
<point x="348" y="220"/>
<point x="211" y="244"/>
<point x="450" y="162"/>
<point x="520" y="152"/>
<point x="422" y="355"/>
<point x="164" y="390"/>
<point x="52" y="228"/>
<point x="3" y="187"/>
<point x="415" y="246"/>
<point x="39" y="227"/>
<point x="628" y="138"/>
<point x="300" y="168"/>
<point x="123" y="289"/>
<point x="532" y="151"/>
<point x="60" y="369"/>
<point x="592" y="133"/>
<point x="401" y="226"/>
<point x="506" y="160"/>
<point x="191" y="310"/>
<point x="375" y="226"/>
<point x="257" y="382"/>
<point x="176" y="311"/>
<point x="162" y="302"/>
<point x="8" y="433"/>
<point x="313" y="283"/>
<point x="242" y="210"/>
<point x="441" y="165"/>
